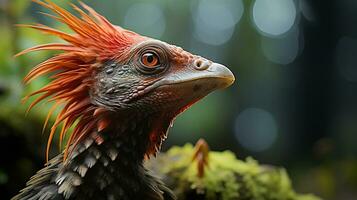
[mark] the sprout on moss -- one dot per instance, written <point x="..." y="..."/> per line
<point x="225" y="177"/>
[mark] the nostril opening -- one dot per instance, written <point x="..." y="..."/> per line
<point x="198" y="63"/>
<point x="201" y="64"/>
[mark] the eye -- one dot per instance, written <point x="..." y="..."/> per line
<point x="150" y="60"/>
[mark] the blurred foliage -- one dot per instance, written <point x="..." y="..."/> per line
<point x="225" y="177"/>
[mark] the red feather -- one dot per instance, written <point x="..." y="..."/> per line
<point x="94" y="41"/>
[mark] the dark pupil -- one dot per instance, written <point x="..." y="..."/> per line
<point x="150" y="58"/>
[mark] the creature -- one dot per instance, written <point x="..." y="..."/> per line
<point x="118" y="93"/>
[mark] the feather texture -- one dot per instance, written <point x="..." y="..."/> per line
<point x="94" y="41"/>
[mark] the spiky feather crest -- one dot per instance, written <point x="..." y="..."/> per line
<point x="94" y="41"/>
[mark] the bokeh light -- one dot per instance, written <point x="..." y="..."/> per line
<point x="306" y="10"/>
<point x="146" y="18"/>
<point x="274" y="17"/>
<point x="281" y="50"/>
<point x="256" y="129"/>
<point x="214" y="21"/>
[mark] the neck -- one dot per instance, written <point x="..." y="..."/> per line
<point x="112" y="160"/>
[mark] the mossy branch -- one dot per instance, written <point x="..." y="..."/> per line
<point x="225" y="177"/>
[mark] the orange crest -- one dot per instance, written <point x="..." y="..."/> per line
<point x="94" y="41"/>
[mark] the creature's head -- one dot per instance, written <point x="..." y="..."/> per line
<point x="106" y="69"/>
<point x="156" y="77"/>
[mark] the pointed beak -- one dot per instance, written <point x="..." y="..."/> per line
<point x="218" y="73"/>
<point x="205" y="74"/>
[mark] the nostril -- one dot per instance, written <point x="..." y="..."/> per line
<point x="198" y="63"/>
<point x="201" y="64"/>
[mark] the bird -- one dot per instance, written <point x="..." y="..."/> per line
<point x="114" y="95"/>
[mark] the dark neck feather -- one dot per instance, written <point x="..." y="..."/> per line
<point x="105" y="165"/>
<point x="111" y="162"/>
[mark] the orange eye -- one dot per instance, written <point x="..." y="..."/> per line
<point x="150" y="60"/>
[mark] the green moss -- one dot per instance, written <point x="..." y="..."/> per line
<point x="225" y="177"/>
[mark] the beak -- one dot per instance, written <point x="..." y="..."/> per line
<point x="210" y="73"/>
<point x="205" y="74"/>
<point x="191" y="83"/>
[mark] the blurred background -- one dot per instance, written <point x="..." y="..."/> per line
<point x="294" y="103"/>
